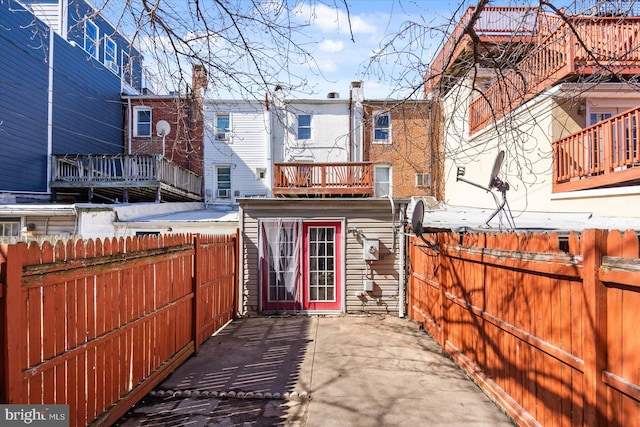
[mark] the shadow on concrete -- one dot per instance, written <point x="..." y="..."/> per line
<point x="244" y="375"/>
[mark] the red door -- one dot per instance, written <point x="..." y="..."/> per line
<point x="300" y="265"/>
<point x="321" y="266"/>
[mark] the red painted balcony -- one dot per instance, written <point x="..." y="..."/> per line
<point x="584" y="47"/>
<point x="606" y="154"/>
<point x="323" y="179"/>
<point x="494" y="27"/>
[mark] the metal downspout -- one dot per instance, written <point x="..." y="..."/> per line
<point x="129" y="117"/>
<point x="402" y="266"/>
<point x="50" y="111"/>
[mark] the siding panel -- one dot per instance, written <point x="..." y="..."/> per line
<point x="371" y="218"/>
<point x="23" y="104"/>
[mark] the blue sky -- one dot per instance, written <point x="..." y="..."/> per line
<point x="373" y="22"/>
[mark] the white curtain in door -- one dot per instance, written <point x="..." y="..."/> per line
<point x="279" y="247"/>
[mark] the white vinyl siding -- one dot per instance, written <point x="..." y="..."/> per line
<point x="248" y="152"/>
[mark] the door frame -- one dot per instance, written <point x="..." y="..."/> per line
<point x="341" y="267"/>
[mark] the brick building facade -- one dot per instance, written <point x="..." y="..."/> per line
<point x="183" y="144"/>
<point x="404" y="141"/>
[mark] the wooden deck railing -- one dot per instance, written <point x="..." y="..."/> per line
<point x="605" y="154"/>
<point x="323" y="179"/>
<point x="89" y="170"/>
<point x="493" y="24"/>
<point x="587" y="46"/>
<point x="547" y="326"/>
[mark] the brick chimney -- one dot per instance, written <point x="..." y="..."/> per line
<point x="199" y="82"/>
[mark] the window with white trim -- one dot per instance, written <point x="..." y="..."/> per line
<point x="142" y="121"/>
<point x="223" y="182"/>
<point x="91" y="35"/>
<point x="382" y="128"/>
<point x="9" y="227"/>
<point x="223" y="127"/>
<point x="381" y="180"/>
<point x="110" y="54"/>
<point x="304" y="126"/>
<point x="423" y="179"/>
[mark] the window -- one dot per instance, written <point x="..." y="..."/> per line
<point x="381" y="181"/>
<point x="142" y="121"/>
<point x="304" y="126"/>
<point x="223" y="127"/>
<point x="127" y="75"/>
<point x="423" y="180"/>
<point x="382" y="128"/>
<point x="91" y="34"/>
<point x="223" y="179"/>
<point x="9" y="227"/>
<point x="110" y="54"/>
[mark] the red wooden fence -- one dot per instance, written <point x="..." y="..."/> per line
<point x="553" y="335"/>
<point x="96" y="325"/>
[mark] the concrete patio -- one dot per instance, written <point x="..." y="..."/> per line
<point x="318" y="371"/>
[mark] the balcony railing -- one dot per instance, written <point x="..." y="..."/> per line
<point x="494" y="24"/>
<point x="120" y="171"/>
<point x="603" y="155"/>
<point x="588" y="46"/>
<point x="323" y="179"/>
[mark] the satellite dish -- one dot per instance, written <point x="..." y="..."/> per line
<point x="497" y="164"/>
<point x="163" y="128"/>
<point x="416" y="224"/>
<point x="416" y="218"/>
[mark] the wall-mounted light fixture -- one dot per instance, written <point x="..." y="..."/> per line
<point x="582" y="108"/>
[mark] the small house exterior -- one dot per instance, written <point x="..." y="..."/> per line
<point x="315" y="255"/>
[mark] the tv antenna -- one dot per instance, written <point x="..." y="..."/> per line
<point x="494" y="182"/>
<point x="416" y="224"/>
<point x="163" y="128"/>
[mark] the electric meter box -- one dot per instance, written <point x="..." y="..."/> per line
<point x="371" y="249"/>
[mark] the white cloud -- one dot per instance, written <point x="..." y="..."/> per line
<point x="331" y="46"/>
<point x="327" y="65"/>
<point x="331" y="20"/>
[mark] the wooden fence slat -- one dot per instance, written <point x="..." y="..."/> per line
<point x="570" y="311"/>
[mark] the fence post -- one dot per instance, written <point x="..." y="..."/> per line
<point x="15" y="335"/>
<point x="594" y="247"/>
<point x="197" y="280"/>
<point x="443" y="270"/>
<point x="236" y="276"/>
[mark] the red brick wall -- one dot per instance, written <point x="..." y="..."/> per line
<point x="413" y="148"/>
<point x="183" y="144"/>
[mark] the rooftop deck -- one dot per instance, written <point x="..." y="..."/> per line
<point x="125" y="177"/>
<point x="323" y="179"/>
<point x="547" y="49"/>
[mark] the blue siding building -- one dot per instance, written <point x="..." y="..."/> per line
<point x="64" y="68"/>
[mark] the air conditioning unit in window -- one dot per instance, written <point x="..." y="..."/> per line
<point x="224" y="193"/>
<point x="223" y="136"/>
<point x="111" y="65"/>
